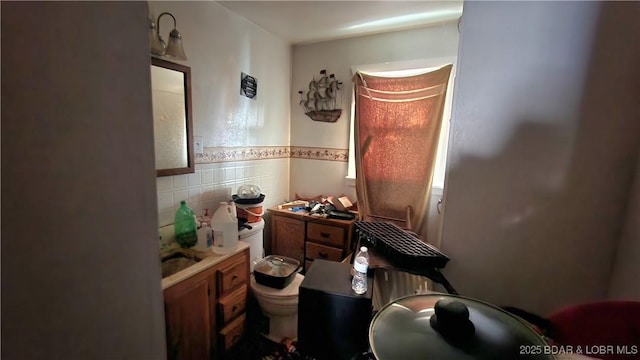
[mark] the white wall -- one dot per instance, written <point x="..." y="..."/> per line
<point x="80" y="269"/>
<point x="311" y="177"/>
<point x="220" y="45"/>
<point x="544" y="137"/>
<point x="626" y="271"/>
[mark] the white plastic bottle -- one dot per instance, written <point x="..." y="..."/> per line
<point x="360" y="267"/>
<point x="206" y="223"/>
<point x="205" y="235"/>
<point x="225" y="229"/>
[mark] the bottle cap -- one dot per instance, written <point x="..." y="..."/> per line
<point x="363" y="249"/>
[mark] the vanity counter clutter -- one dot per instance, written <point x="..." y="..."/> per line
<point x="305" y="237"/>
<point x="209" y="259"/>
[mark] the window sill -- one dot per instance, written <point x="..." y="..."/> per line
<point x="350" y="181"/>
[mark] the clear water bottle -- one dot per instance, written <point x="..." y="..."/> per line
<point x="185" y="226"/>
<point x="360" y="267"/>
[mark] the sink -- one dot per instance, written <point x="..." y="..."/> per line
<point x="177" y="260"/>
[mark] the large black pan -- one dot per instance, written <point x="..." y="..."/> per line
<point x="276" y="271"/>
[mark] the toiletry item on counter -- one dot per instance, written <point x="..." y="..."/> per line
<point x="205" y="237"/>
<point x="225" y="228"/>
<point x="205" y="232"/>
<point x="185" y="226"/>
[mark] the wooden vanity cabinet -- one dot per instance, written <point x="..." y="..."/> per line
<point x="233" y="280"/>
<point x="205" y="313"/>
<point x="288" y="236"/>
<point x="306" y="238"/>
<point x="190" y="317"/>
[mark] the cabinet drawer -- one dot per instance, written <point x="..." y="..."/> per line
<point x="326" y="234"/>
<point x="317" y="251"/>
<point x="233" y="305"/>
<point x="232" y="333"/>
<point x="232" y="276"/>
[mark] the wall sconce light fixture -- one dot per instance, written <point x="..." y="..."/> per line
<point x="158" y="47"/>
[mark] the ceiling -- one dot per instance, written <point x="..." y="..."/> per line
<point x="300" y="22"/>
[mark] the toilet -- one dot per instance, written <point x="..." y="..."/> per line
<point x="280" y="306"/>
<point x="253" y="237"/>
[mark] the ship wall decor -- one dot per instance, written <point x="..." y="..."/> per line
<point x="320" y="101"/>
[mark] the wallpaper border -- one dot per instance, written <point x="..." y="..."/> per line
<point x="315" y="153"/>
<point x="225" y="154"/>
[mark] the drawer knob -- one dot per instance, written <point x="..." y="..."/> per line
<point x="324" y="234"/>
<point x="323" y="255"/>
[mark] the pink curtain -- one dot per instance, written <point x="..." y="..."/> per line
<point x="397" y="125"/>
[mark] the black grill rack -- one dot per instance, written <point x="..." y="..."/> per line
<point x="398" y="246"/>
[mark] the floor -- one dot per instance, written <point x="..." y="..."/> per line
<point x="254" y="346"/>
<point x="257" y="347"/>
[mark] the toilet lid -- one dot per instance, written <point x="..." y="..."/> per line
<point x="290" y="291"/>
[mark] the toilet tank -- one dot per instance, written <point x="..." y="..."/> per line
<point x="254" y="237"/>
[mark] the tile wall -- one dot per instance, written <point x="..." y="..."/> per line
<point x="215" y="182"/>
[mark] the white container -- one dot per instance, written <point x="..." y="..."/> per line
<point x="205" y="237"/>
<point x="255" y="238"/>
<point x="225" y="229"/>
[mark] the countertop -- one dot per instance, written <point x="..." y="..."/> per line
<point x="209" y="259"/>
<point x="305" y="216"/>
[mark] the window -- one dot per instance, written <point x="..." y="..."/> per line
<point x="407" y="69"/>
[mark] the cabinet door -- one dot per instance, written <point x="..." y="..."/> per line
<point x="288" y="237"/>
<point x="188" y="319"/>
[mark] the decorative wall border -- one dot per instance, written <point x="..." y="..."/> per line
<point x="226" y="154"/>
<point x="314" y="153"/>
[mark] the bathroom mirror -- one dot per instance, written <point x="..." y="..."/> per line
<point x="172" y="123"/>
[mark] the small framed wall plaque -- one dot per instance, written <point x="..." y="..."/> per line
<point x="248" y="86"/>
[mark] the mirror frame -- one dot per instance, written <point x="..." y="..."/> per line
<point x="186" y="70"/>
